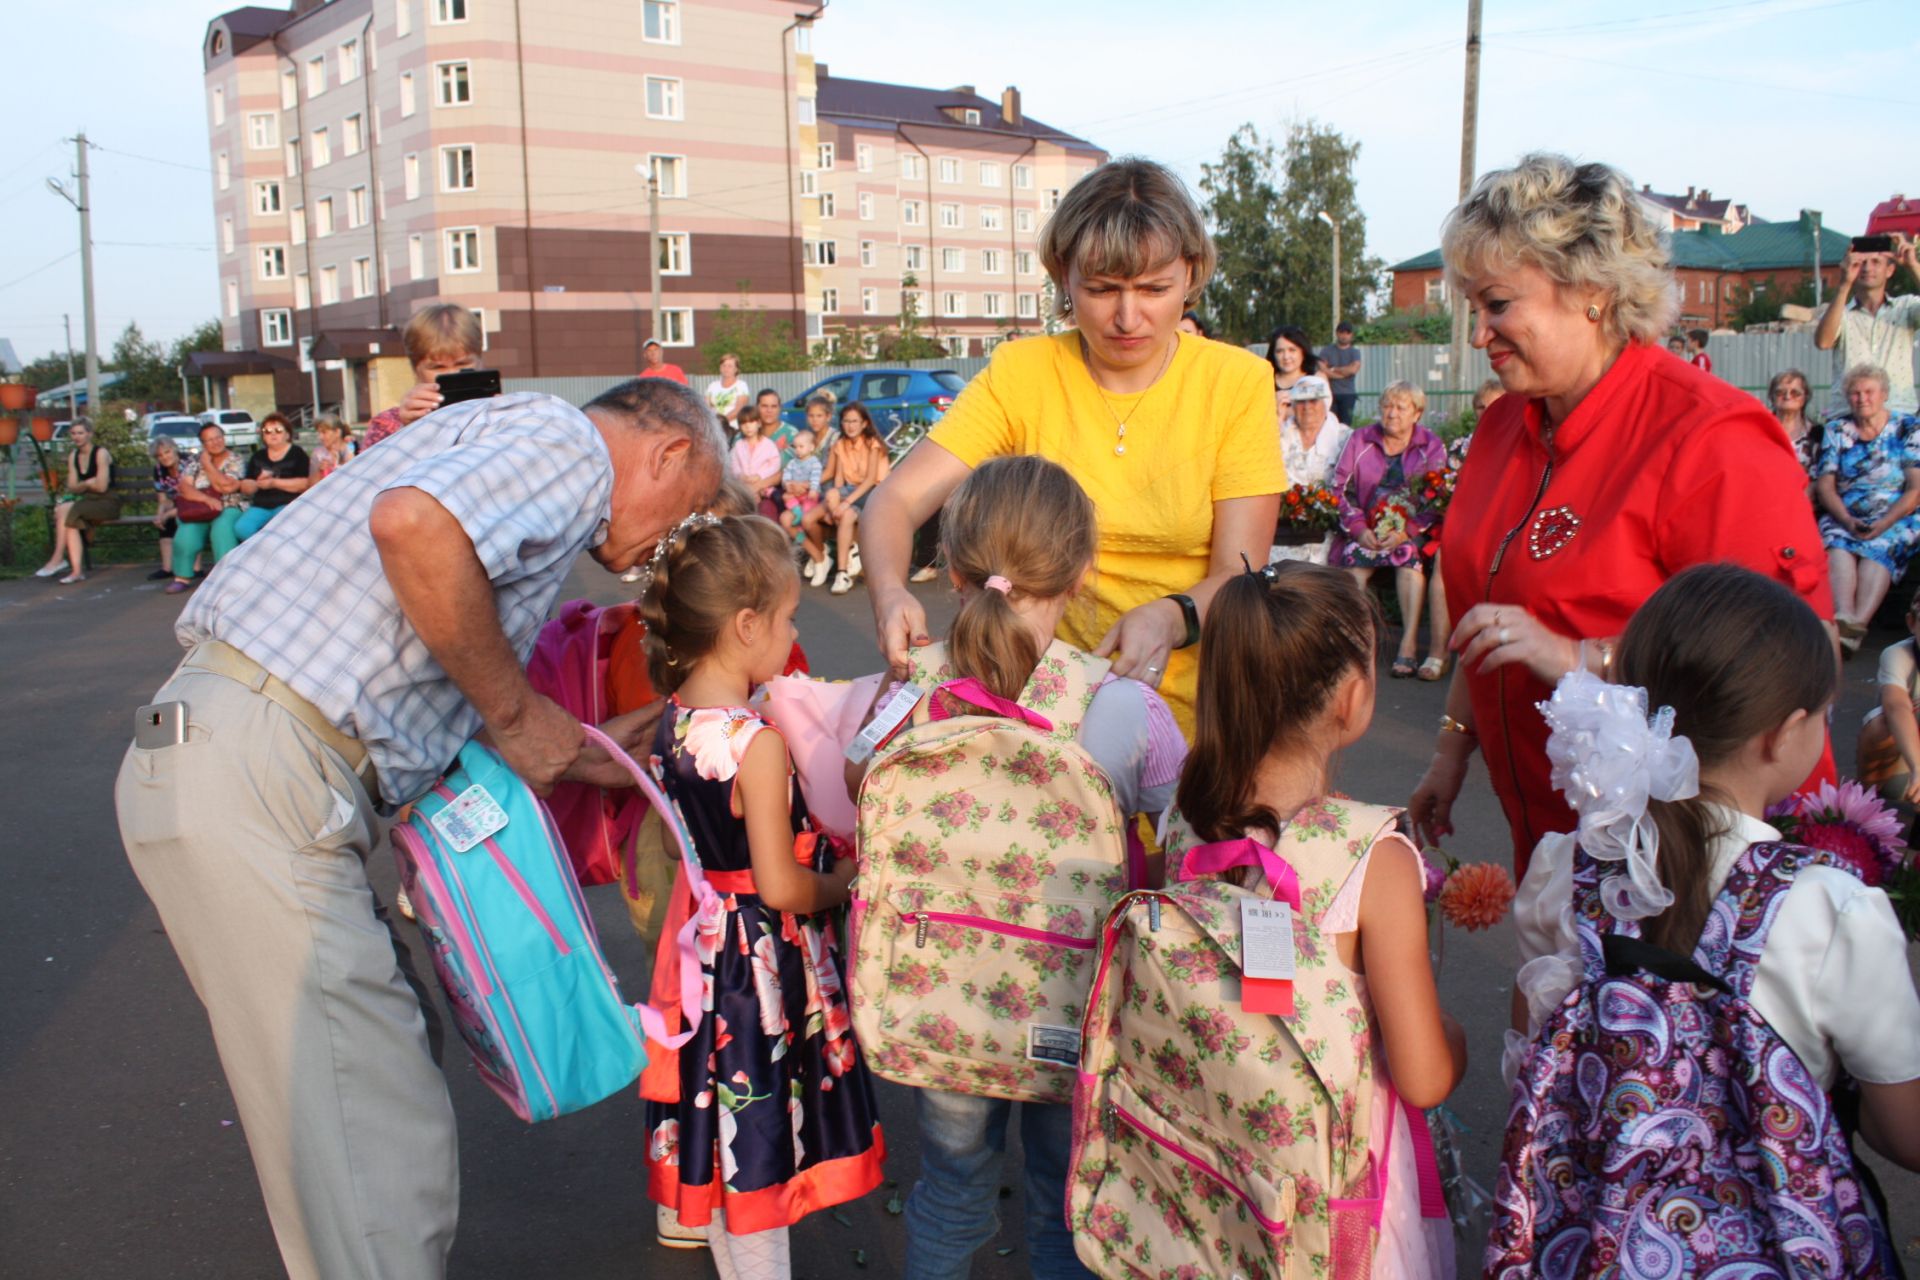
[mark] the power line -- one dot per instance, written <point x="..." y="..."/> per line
<point x="133" y="155"/>
<point x="45" y="266"/>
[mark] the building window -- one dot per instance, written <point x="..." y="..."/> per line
<point x="407" y="104"/>
<point x="329" y="286"/>
<point x="357" y="207"/>
<point x="669" y="175"/>
<point x="292" y="149"/>
<point x="914" y="300"/>
<point x="297" y="225"/>
<point x="803" y="38"/>
<point x="825" y="156"/>
<point x="416" y="257"/>
<point x="1027" y="305"/>
<point x="663" y="98"/>
<point x="1023" y="262"/>
<point x="676" y="326"/>
<point x="403" y="18"/>
<point x="1023" y="177"/>
<point x="913" y="166"/>
<point x="990" y="261"/>
<point x="410" y="176"/>
<point x="1437" y="290"/>
<point x="913" y="257"/>
<point x="950" y="216"/>
<point x="865" y="201"/>
<point x="822" y="253"/>
<point x="804" y="113"/>
<point x="349" y="61"/>
<point x="456" y="168"/>
<point x="453" y="85"/>
<point x="809" y="183"/>
<point x="463" y="250"/>
<point x="380" y="204"/>
<point x="223" y="170"/>
<point x="953" y="259"/>
<point x="266" y="198"/>
<point x="323" y="217"/>
<point x="445" y="11"/>
<point x="829" y="302"/>
<point x="863" y="157"/>
<point x="226" y="234"/>
<point x="995" y="305"/>
<point x="1023" y="220"/>
<point x="676" y="253"/>
<point x="956" y="345"/>
<point x="870" y="302"/>
<point x="660" y="21"/>
<point x="289" y="90"/>
<point x="322" y="148"/>
<point x="949" y="169"/>
<point x="302" y="291"/>
<point x="233" y="297"/>
<point x="990" y="172"/>
<point x="971" y="115"/>
<point x="911" y="212"/>
<point x="353" y="137"/>
<point x="219" y="106"/>
<point x="273" y="262"/>
<point x="827" y="205"/>
<point x="316" y="77"/>
<point x="866" y="253"/>
<point x="1050" y="199"/>
<point x="953" y="305"/>
<point x="992" y="217"/>
<point x="362" y="277"/>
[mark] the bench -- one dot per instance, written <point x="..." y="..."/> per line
<point x="132" y="490"/>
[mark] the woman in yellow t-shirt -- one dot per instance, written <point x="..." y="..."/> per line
<point x="1174" y="437"/>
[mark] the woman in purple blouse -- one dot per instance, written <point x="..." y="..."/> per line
<point x="1379" y="468"/>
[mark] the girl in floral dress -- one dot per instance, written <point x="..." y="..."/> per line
<point x="767" y="1113"/>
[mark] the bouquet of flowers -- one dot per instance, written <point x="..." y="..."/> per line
<point x="1853" y="823"/>
<point x="1471" y="895"/>
<point x="1388" y="517"/>
<point x="1309" y="509"/>
<point x="1435" y="490"/>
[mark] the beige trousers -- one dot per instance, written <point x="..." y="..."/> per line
<point x="251" y="838"/>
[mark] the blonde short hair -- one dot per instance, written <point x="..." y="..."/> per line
<point x="1866" y="373"/>
<point x="444" y="329"/>
<point x="1408" y="392"/>
<point x="1582" y="224"/>
<point x="1124" y="219"/>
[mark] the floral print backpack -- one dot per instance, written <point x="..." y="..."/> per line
<point x="990" y="848"/>
<point x="1211" y="1140"/>
<point x="1660" y="1127"/>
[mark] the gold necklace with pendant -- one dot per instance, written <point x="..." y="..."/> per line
<point x="1119" y="423"/>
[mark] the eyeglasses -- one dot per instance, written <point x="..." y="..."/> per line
<point x="1786" y="394"/>
<point x="274" y="431"/>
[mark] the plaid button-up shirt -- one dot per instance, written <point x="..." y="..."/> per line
<point x="531" y="483"/>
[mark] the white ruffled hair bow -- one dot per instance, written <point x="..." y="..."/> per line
<point x="1609" y="759"/>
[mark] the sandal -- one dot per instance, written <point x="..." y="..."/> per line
<point x="1849" y="629"/>
<point x="1434" y="668"/>
<point x="1402" y="669"/>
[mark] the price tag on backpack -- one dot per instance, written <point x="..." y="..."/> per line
<point x="1266" y="957"/>
<point x="469" y="818"/>
<point x="886" y="722"/>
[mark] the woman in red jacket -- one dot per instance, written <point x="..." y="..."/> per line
<point x="1606" y="470"/>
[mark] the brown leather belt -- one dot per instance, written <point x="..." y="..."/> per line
<point x="222" y="659"/>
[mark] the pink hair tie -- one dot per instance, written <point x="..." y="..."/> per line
<point x="1000" y="584"/>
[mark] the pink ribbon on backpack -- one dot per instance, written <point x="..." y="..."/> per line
<point x="1257" y="995"/>
<point x="971" y="691"/>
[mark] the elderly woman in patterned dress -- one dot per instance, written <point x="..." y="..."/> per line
<point x="1867" y="485"/>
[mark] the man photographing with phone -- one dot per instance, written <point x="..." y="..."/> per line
<point x="1864" y="326"/>
<point x="316" y="687"/>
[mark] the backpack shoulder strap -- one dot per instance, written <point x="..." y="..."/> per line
<point x="1326" y="840"/>
<point x="1062" y="686"/>
<point x="1742" y="915"/>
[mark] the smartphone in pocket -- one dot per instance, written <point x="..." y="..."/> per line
<point x="163" y="724"/>
<point x="468" y="384"/>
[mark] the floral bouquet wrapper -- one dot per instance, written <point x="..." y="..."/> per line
<point x="818" y="718"/>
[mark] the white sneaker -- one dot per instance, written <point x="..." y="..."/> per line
<point x="842" y="583"/>
<point x="818" y="570"/>
<point x="926" y="573"/>
<point x="670" y="1234"/>
<point x="853" y="560"/>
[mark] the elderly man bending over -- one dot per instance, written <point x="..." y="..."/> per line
<point x="316" y="687"/>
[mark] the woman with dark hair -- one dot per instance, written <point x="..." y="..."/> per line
<point x="278" y="472"/>
<point x="1190" y="322"/>
<point x="1790" y="396"/>
<point x="1290" y="352"/>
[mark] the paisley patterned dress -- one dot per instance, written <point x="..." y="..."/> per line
<point x="775" y="1116"/>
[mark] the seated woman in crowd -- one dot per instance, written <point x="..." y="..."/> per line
<point x="277" y="473"/>
<point x="166" y="483"/>
<point x="1791" y="399"/>
<point x="209" y="504"/>
<point x="1381" y="523"/>
<point x="1867" y="487"/>
<point x="1311" y="440"/>
<point x="1290" y="352"/>
<point x="444" y="338"/>
<point x="336" y="448"/>
<point x="857" y="462"/>
<point x="90" y="501"/>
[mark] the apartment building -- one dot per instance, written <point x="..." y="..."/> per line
<point x="940" y="185"/>
<point x="373" y="156"/>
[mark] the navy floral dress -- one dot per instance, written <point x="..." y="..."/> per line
<point x="1871" y="475"/>
<point x="775" y="1116"/>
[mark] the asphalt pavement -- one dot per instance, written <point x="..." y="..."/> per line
<point x="119" y="1152"/>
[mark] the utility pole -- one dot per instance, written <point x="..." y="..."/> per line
<point x="66" y="322"/>
<point x="1327" y="218"/>
<point x="653" y="249"/>
<point x="80" y="200"/>
<point x="1469" y="131"/>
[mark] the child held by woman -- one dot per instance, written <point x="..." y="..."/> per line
<point x="769" y="1113"/>
<point x="1722" y="981"/>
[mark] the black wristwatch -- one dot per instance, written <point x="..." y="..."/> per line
<point x="1191" y="611"/>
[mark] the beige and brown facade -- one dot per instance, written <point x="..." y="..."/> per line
<point x="941" y="185"/>
<point x="374" y="156"/>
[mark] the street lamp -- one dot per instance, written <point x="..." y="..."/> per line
<point x="1322" y="215"/>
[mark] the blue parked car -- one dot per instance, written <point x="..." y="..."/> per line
<point x="893" y="396"/>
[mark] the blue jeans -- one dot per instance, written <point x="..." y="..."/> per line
<point x="951" y="1210"/>
<point x="254" y="519"/>
<point x="192" y="538"/>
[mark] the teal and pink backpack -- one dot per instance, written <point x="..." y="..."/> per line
<point x="1660" y="1127"/>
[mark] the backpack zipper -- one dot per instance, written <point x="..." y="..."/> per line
<point x="1120" y="1113"/>
<point x="921" y="919"/>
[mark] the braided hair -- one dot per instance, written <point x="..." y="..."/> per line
<point x="703" y="572"/>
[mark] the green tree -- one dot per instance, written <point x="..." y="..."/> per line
<point x="764" y="344"/>
<point x="907" y="342"/>
<point x="50" y="370"/>
<point x="1405" y="326"/>
<point x="1276" y="256"/>
<point x="143" y="362"/>
<point x="1760" y="302"/>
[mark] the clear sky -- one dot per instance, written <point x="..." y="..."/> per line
<point x="1780" y="104"/>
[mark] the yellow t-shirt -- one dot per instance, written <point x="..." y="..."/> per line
<point x="1204" y="433"/>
